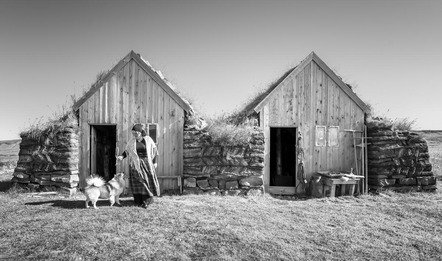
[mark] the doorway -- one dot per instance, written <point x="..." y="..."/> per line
<point x="103" y="144"/>
<point x="283" y="157"/>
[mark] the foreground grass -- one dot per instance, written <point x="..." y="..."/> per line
<point x="391" y="226"/>
<point x="386" y="227"/>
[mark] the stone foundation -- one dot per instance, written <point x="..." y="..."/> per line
<point x="222" y="170"/>
<point x="52" y="162"/>
<point x="398" y="160"/>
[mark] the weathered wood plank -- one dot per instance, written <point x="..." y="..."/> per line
<point x="266" y="116"/>
<point x="329" y="121"/>
<point x="137" y="94"/>
<point x="91" y="116"/>
<point x="167" y="137"/>
<point x="96" y="107"/>
<point x="131" y="102"/>
<point x="155" y="102"/>
<point x="342" y="133"/>
<point x="180" y="140"/>
<point x="316" y="115"/>
<point x="83" y="145"/>
<point x="150" y="99"/>
<point x="109" y="104"/>
<point x="310" y="145"/>
<point x="143" y="96"/>
<point x="123" y="137"/>
<point x="160" y="113"/>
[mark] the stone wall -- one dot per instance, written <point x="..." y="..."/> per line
<point x="47" y="162"/>
<point x="222" y="170"/>
<point x="398" y="160"/>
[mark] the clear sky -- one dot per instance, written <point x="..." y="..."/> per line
<point x="219" y="53"/>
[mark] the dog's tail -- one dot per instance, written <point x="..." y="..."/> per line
<point x="95" y="181"/>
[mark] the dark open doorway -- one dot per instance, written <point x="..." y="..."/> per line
<point x="103" y="143"/>
<point x="283" y="157"/>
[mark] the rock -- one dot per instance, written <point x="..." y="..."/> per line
<point x="231" y="185"/>
<point x="33" y="187"/>
<point x="193" y="170"/>
<point x="426" y="181"/>
<point x="192" y="135"/>
<point x="244" y="184"/>
<point x="222" y="184"/>
<point x="233" y="192"/>
<point x="192" y="191"/>
<point x="196" y="175"/>
<point x="254" y="192"/>
<point x="189" y="183"/>
<point x="24" y="159"/>
<point x="192" y="153"/>
<point x="190" y="145"/>
<point x="212" y="192"/>
<point x="192" y="162"/>
<point x="407" y="181"/>
<point x="21" y="175"/>
<point x="381" y="182"/>
<point x="252" y="171"/>
<point x="213" y="183"/>
<point x="210" y="161"/>
<point x="64" y="179"/>
<point x="69" y="191"/>
<point x="252" y="181"/>
<point x="429" y="187"/>
<point x="202" y="183"/>
<point x="210" y="170"/>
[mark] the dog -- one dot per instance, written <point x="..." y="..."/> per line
<point x="97" y="187"/>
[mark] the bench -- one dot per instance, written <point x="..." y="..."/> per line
<point x="332" y="182"/>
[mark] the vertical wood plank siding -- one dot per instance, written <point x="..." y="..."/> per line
<point x="131" y="96"/>
<point x="307" y="99"/>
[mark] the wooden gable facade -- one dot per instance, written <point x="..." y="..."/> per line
<point x="308" y="109"/>
<point x="132" y="92"/>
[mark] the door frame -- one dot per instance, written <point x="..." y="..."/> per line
<point x="93" y="145"/>
<point x="281" y="190"/>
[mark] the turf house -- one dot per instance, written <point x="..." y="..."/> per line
<point x="307" y="124"/>
<point x="309" y="115"/>
<point x="131" y="92"/>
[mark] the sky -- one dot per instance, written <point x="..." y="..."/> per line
<point x="220" y="53"/>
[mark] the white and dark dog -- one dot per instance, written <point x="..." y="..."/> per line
<point x="97" y="187"/>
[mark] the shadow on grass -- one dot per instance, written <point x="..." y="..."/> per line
<point x="77" y="204"/>
<point x="5" y="185"/>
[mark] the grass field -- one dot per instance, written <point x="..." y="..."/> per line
<point x="389" y="226"/>
<point x="434" y="141"/>
<point x="8" y="155"/>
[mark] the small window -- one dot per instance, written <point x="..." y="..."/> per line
<point x="153" y="131"/>
<point x="320" y="136"/>
<point x="333" y="136"/>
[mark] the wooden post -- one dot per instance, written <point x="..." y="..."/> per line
<point x="366" y="160"/>
<point x="355" y="151"/>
